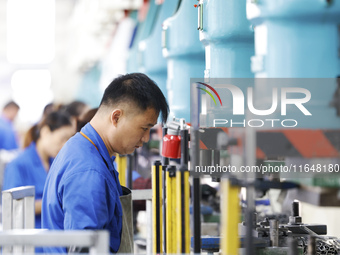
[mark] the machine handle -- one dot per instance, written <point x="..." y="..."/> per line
<point x="200" y="17"/>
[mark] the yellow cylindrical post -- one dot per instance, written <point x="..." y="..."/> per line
<point x="121" y="164"/>
<point x="157" y="198"/>
<point x="230" y="211"/>
<point x="183" y="215"/>
<point x="171" y="212"/>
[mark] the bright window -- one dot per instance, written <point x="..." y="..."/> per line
<point x="32" y="91"/>
<point x="30" y="31"/>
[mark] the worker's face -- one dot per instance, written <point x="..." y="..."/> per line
<point x="11" y="113"/>
<point x="132" y="130"/>
<point x="55" y="140"/>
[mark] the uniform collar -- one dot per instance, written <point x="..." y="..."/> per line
<point x="98" y="141"/>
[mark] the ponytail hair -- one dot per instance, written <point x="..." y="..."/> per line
<point x="53" y="120"/>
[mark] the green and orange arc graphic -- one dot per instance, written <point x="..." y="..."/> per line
<point x="209" y="93"/>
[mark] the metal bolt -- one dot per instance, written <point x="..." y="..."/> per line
<point x="295" y="209"/>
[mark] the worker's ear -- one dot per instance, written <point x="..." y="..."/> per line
<point x="115" y="116"/>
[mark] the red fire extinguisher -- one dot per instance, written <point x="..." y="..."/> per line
<point x="171" y="147"/>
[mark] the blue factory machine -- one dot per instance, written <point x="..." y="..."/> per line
<point x="297" y="58"/>
<point x="297" y="46"/>
<point x="142" y="31"/>
<point x="228" y="39"/>
<point x="284" y="45"/>
<point x="296" y="61"/>
<point x="298" y="39"/>
<point x="152" y="61"/>
<point x="185" y="57"/>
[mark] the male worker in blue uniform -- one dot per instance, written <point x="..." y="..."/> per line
<point x="82" y="189"/>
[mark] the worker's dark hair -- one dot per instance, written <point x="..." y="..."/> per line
<point x="53" y="120"/>
<point x="85" y="118"/>
<point x="11" y="104"/>
<point x="48" y="109"/>
<point x="74" y="108"/>
<point x="139" y="89"/>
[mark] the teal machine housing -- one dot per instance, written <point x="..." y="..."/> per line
<point x="142" y="31"/>
<point x="298" y="39"/>
<point x="228" y="39"/>
<point x="185" y="57"/>
<point x="152" y="62"/>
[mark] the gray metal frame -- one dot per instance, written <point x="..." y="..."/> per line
<point x="18" y="208"/>
<point x="98" y="241"/>
<point x="19" y="235"/>
<point x="18" y="212"/>
<point x="146" y="194"/>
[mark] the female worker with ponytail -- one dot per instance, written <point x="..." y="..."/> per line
<point x="32" y="165"/>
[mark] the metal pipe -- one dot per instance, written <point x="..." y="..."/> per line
<point x="216" y="162"/>
<point x="274" y="232"/>
<point x="250" y="160"/>
<point x="183" y="196"/>
<point x="196" y="193"/>
<point x="311" y="250"/>
<point x="293" y="247"/>
<point x="184" y="148"/>
<point x="165" y="163"/>
<point x="130" y="168"/>
<point x="195" y="161"/>
<point x="98" y="240"/>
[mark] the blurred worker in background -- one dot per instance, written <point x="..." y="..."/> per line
<point x="30" y="167"/>
<point x="75" y="109"/>
<point x="85" y="118"/>
<point x="48" y="109"/>
<point x="82" y="190"/>
<point x="9" y="146"/>
<point x="27" y="140"/>
<point x="8" y="137"/>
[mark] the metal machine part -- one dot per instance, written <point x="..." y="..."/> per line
<point x="274" y="232"/>
<point x="296" y="226"/>
<point x="185" y="58"/>
<point x="150" y="55"/>
<point x="294" y="237"/>
<point x="295" y="218"/>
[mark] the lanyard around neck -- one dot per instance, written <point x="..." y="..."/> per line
<point x="114" y="175"/>
<point x="88" y="139"/>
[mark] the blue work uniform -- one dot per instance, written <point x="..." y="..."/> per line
<point x="8" y="138"/>
<point x="27" y="169"/>
<point x="82" y="189"/>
